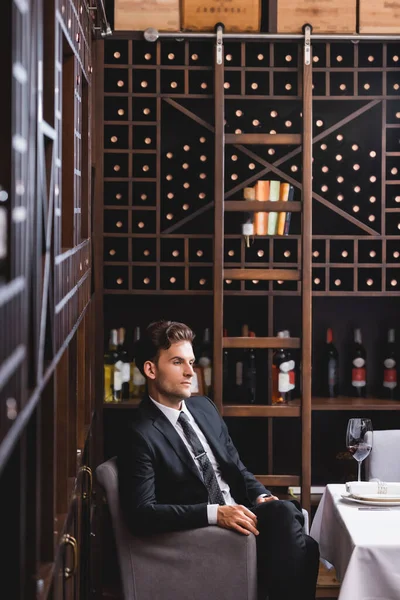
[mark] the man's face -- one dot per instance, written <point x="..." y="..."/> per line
<point x="173" y="372"/>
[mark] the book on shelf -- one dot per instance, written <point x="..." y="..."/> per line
<point x="288" y="215"/>
<point x="283" y="197"/>
<point x="261" y="218"/>
<point x="268" y="223"/>
<point x="274" y="187"/>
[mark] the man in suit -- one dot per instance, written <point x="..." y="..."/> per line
<point x="180" y="470"/>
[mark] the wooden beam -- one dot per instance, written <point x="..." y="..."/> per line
<point x="260" y="342"/>
<point x="263" y="274"/>
<point x="264" y="138"/>
<point x="306" y="278"/>
<point x="189" y="113"/>
<point x="254" y="206"/>
<point x="278" y="480"/>
<point x="219" y="189"/>
<point x="248" y="410"/>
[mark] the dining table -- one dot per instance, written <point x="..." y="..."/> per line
<point x="362" y="541"/>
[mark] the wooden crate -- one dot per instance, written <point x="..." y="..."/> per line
<point x="138" y="15"/>
<point x="236" y="15"/>
<point x="379" y="16"/>
<point x="325" y="16"/>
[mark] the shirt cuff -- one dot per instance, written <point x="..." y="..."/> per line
<point x="263" y="496"/>
<point x="212" y="512"/>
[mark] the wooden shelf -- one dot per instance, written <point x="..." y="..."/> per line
<point x="260" y="342"/>
<point x="278" y="480"/>
<point x="229" y="410"/>
<point x="256" y="206"/>
<point x="258" y="410"/>
<point x="293" y="409"/>
<point x="263" y="138"/>
<point x="347" y="403"/>
<point x="132" y="403"/>
<point x="263" y="274"/>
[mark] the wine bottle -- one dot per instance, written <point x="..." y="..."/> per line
<point x="250" y="373"/>
<point x="359" y="369"/>
<point x="137" y="380"/>
<point x="240" y="360"/>
<point x="249" y="193"/>
<point x="291" y="367"/>
<point x="110" y="358"/>
<point x="123" y="364"/>
<point x="283" y="375"/>
<point x="330" y="375"/>
<point x="205" y="360"/>
<point x="390" y="367"/>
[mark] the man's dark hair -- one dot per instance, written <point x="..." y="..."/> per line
<point x="160" y="335"/>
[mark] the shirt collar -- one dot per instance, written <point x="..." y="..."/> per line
<point x="172" y="414"/>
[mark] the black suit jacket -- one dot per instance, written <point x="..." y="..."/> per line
<point x="160" y="486"/>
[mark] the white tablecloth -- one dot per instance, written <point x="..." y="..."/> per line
<point x="363" y="546"/>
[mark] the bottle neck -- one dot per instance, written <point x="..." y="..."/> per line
<point x="206" y="337"/>
<point x="281" y="334"/>
<point x="113" y="339"/>
<point x="121" y="337"/>
<point x="357" y="336"/>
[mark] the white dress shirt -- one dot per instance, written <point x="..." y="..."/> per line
<point x="172" y="415"/>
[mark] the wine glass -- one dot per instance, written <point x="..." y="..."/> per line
<point x="359" y="440"/>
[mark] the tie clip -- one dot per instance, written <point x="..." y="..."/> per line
<point x="199" y="455"/>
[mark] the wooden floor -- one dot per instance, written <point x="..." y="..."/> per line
<point x="327" y="586"/>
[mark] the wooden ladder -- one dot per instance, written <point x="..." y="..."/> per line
<point x="296" y="409"/>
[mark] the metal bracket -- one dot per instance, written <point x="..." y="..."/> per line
<point x="219" y="53"/>
<point x="307" y="44"/>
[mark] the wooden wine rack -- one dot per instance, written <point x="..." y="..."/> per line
<point x="159" y="164"/>
<point x="188" y="131"/>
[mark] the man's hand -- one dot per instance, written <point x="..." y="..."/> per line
<point x="239" y="518"/>
<point x="266" y="499"/>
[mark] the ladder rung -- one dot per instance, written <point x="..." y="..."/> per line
<point x="256" y="206"/>
<point x="260" y="342"/>
<point x="278" y="480"/>
<point x="263" y="274"/>
<point x="263" y="138"/>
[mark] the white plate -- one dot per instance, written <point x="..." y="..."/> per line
<point x="370" y="502"/>
<point x="378" y="497"/>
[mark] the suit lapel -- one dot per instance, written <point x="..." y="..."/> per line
<point x="161" y="423"/>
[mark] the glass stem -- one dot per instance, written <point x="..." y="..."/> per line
<point x="359" y="470"/>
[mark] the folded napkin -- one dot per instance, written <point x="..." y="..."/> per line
<point x="366" y="488"/>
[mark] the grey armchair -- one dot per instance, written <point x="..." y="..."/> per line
<point x="207" y="563"/>
<point x="383" y="463"/>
